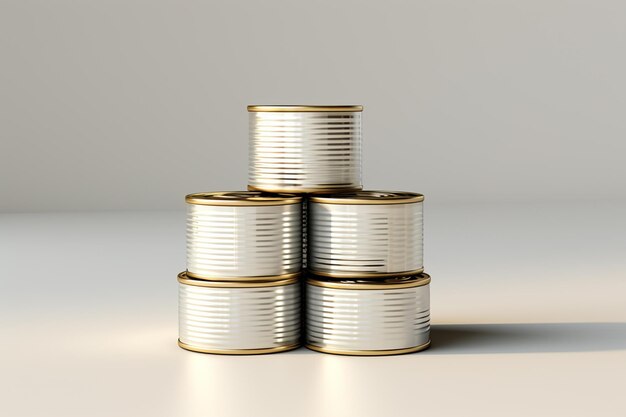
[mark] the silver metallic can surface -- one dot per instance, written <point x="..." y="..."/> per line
<point x="243" y="235"/>
<point x="238" y="318"/>
<point x="305" y="149"/>
<point x="366" y="234"/>
<point x="358" y="317"/>
<point x="305" y="231"/>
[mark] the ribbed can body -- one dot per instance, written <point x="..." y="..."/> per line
<point x="362" y="240"/>
<point x="239" y="242"/>
<point x="305" y="231"/>
<point x="301" y="152"/>
<point x="239" y="320"/>
<point x="367" y="321"/>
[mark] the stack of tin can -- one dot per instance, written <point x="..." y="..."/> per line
<point x="364" y="289"/>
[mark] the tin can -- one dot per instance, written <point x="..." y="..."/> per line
<point x="305" y="231"/>
<point x="366" y="234"/>
<point x="243" y="235"/>
<point x="238" y="317"/>
<point x="361" y="317"/>
<point x="305" y="149"/>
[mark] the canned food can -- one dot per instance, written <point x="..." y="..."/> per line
<point x="238" y="317"/>
<point x="366" y="234"/>
<point x="243" y="235"/>
<point x="305" y="232"/>
<point x="305" y="149"/>
<point x="364" y="317"/>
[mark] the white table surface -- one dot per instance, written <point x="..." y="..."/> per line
<point x="528" y="311"/>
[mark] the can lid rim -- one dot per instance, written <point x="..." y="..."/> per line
<point x="369" y="197"/>
<point x="298" y="108"/>
<point x="362" y="284"/>
<point x="183" y="278"/>
<point x="241" y="198"/>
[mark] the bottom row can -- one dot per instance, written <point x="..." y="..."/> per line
<point x="349" y="317"/>
<point x="238" y="317"/>
<point x="358" y="317"/>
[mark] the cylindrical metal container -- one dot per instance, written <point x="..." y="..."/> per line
<point x="360" y="317"/>
<point x="366" y="234"/>
<point x="243" y="235"/>
<point x="305" y="149"/>
<point x="238" y="317"/>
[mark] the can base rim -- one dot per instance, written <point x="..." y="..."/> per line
<point x="238" y="351"/>
<point x="369" y="352"/>
<point x="257" y="278"/>
<point x="304" y="190"/>
<point x="369" y="275"/>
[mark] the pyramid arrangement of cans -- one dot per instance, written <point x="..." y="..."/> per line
<point x="246" y="289"/>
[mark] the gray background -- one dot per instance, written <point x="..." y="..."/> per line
<point x="508" y="115"/>
<point x="132" y="104"/>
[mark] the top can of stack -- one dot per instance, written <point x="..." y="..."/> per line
<point x="305" y="149"/>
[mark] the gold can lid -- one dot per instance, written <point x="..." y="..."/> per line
<point x="305" y="108"/>
<point x="363" y="284"/>
<point x="368" y="197"/>
<point x="183" y="278"/>
<point x="242" y="198"/>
